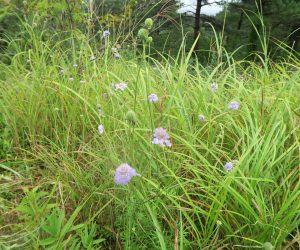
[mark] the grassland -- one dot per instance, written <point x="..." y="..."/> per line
<point x="57" y="187"/>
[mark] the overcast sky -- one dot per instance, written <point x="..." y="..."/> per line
<point x="190" y="5"/>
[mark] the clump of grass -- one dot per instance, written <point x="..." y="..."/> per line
<point x="58" y="186"/>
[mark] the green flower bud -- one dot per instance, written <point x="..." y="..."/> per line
<point x="131" y="117"/>
<point x="149" y="39"/>
<point x="149" y="23"/>
<point x="143" y="34"/>
<point x="267" y="246"/>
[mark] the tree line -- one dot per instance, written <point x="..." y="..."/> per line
<point x="241" y="23"/>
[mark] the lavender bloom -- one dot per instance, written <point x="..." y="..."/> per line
<point x="228" y="166"/>
<point x="214" y="87"/>
<point x="201" y="118"/>
<point x="101" y="129"/>
<point x="105" y="34"/>
<point x="153" y="98"/>
<point x="124" y="174"/>
<point x="120" y="86"/>
<point x="234" y="105"/>
<point x="117" y="55"/>
<point x="161" y="137"/>
<point x="100" y="112"/>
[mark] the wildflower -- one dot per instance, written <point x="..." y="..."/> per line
<point x="219" y="223"/>
<point x="161" y="137"/>
<point x="124" y="174"/>
<point x="234" y="105"/>
<point x="214" y="87"/>
<point x="228" y="166"/>
<point x="71" y="79"/>
<point x="101" y="129"/>
<point x="92" y="58"/>
<point x="120" y="86"/>
<point x="153" y="98"/>
<point x="117" y="55"/>
<point x="105" y="34"/>
<point x="201" y="118"/>
<point x="28" y="61"/>
<point x="75" y="65"/>
<point x="61" y="72"/>
<point x="82" y="81"/>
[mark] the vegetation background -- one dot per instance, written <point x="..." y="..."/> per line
<point x="66" y="124"/>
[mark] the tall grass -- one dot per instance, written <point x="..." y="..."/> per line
<point x="57" y="186"/>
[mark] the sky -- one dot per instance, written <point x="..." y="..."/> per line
<point x="208" y="10"/>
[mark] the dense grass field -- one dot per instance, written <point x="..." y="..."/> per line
<point x="222" y="173"/>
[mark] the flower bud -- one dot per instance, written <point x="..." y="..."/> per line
<point x="149" y="23"/>
<point x="131" y="117"/>
<point x="143" y="34"/>
<point x="149" y="39"/>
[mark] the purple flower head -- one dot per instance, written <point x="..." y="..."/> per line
<point x="101" y="129"/>
<point x="214" y="87"/>
<point x="120" y="86"/>
<point x="201" y="118"/>
<point x="234" y="105"/>
<point x="153" y="98"/>
<point x="161" y="137"/>
<point x="117" y="55"/>
<point x="124" y="174"/>
<point x="228" y="166"/>
<point x="105" y="34"/>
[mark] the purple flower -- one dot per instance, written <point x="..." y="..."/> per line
<point x="214" y="87"/>
<point x="124" y="174"/>
<point x="161" y="137"/>
<point x="117" y="55"/>
<point x="234" y="105"/>
<point x="105" y="34"/>
<point x="101" y="129"/>
<point x="228" y="166"/>
<point x="201" y="118"/>
<point x="120" y="86"/>
<point x="153" y="98"/>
